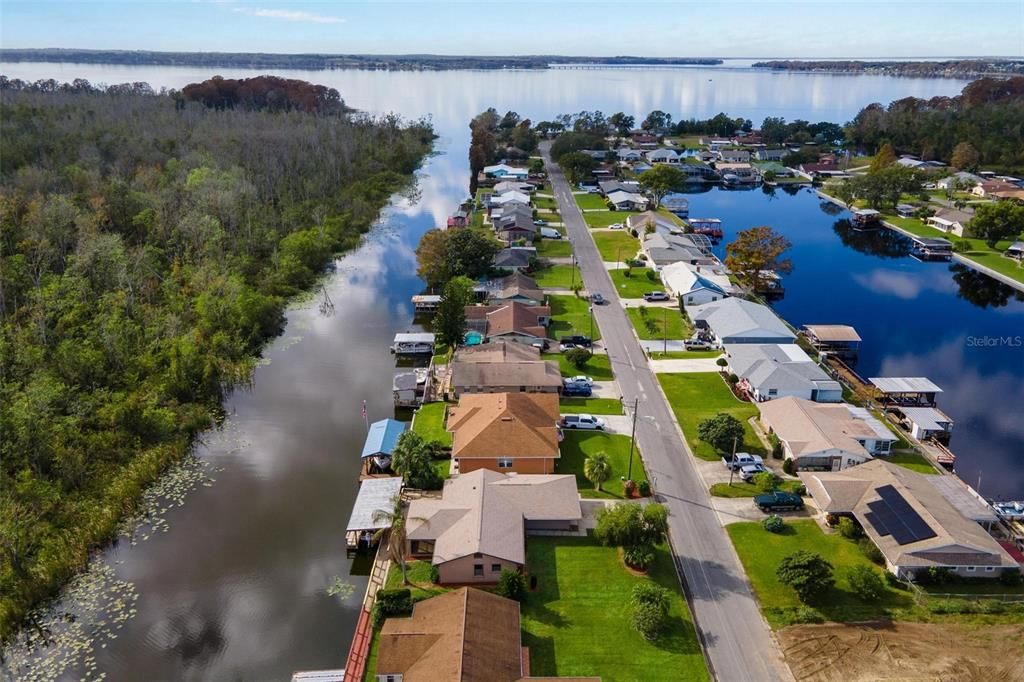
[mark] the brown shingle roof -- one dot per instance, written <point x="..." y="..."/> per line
<point x="498" y="351"/>
<point x="510" y="318"/>
<point x="518" y="284"/>
<point x="467" y="635"/>
<point x="498" y="374"/>
<point x="505" y="425"/>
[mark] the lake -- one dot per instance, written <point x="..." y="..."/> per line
<point x="236" y="586"/>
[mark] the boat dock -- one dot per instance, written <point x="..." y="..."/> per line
<point x="839" y="340"/>
<point x="711" y="227"/>
<point x="931" y="248"/>
<point x="413" y="343"/>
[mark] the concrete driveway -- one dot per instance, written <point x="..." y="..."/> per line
<point x="674" y="366"/>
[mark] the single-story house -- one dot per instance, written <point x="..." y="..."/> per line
<point x="736" y="320"/>
<point x="627" y="201"/>
<point x="640" y="221"/>
<point x="609" y="186"/>
<point x="951" y="220"/>
<point x="989" y="187"/>
<point x="776" y="370"/>
<point x="664" y="249"/>
<point x="738" y="172"/>
<point x="503" y="170"/>
<point x="640" y="137"/>
<point x="663" y="156"/>
<point x="734" y="155"/>
<point x="690" y="286"/>
<point x="629" y="154"/>
<point x="1015" y="194"/>
<point x="510" y="432"/>
<point x="815" y="169"/>
<point x="910" y="520"/>
<point x="909" y="161"/>
<point x="483" y="517"/>
<point x="772" y="154"/>
<point x="380" y="442"/>
<point x="511" y="321"/>
<point x="515" y="258"/>
<point x="510" y="210"/>
<point x="827" y="436"/>
<point x="705" y="156"/>
<point x="534" y="376"/>
<point x="510" y="196"/>
<point x="961" y="178"/>
<point x="515" y="287"/>
<point x="497" y="351"/>
<point x="514" y="227"/>
<point x="513" y="186"/>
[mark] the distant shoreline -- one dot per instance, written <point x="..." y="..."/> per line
<point x="951" y="68"/>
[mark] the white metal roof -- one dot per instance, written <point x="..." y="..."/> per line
<point x="881" y="432"/>
<point x="374" y="494"/>
<point x="414" y="337"/>
<point x="963" y="498"/>
<point x="926" y="417"/>
<point x="833" y="332"/>
<point x="905" y="385"/>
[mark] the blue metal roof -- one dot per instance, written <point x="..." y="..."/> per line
<point x="382" y="437"/>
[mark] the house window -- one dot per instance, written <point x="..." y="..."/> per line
<point x="495" y="568"/>
<point x="971" y="569"/>
<point x="478" y="569"/>
<point x="522" y="389"/>
<point x="478" y="555"/>
<point x="773" y="392"/>
<point x="422" y="547"/>
<point x="989" y="569"/>
<point x="505" y="463"/>
<point x="884" y="446"/>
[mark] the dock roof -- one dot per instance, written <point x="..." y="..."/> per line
<point x="927" y="417"/>
<point x="833" y="332"/>
<point x="382" y="437"/>
<point x="905" y="385"/>
<point x="414" y="337"/>
<point x="375" y="494"/>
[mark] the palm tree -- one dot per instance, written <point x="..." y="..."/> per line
<point x="395" y="531"/>
<point x="597" y="469"/>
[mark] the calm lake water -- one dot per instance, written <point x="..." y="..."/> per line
<point x="236" y="589"/>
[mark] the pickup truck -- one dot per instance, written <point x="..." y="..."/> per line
<point x="779" y="501"/>
<point x="741" y="460"/>
<point x="582" y="421"/>
<point x="655" y="296"/>
<point x="577" y="340"/>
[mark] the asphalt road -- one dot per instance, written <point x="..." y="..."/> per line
<point x="737" y="640"/>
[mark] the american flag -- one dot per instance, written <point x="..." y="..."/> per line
<point x="364" y="409"/>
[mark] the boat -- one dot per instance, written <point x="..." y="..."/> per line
<point x="931" y="248"/>
<point x="1012" y="510"/>
<point x="866" y="218"/>
<point x="710" y="227"/>
<point x="416" y="343"/>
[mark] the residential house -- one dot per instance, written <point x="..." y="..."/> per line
<point x="906" y="210"/>
<point x="990" y="187"/>
<point x="609" y="186"/>
<point x="505" y="377"/>
<point x="516" y="258"/>
<point x="959" y="179"/>
<point x="691" y="286"/>
<point x="734" y="155"/>
<point x="628" y="154"/>
<point x="813" y="170"/>
<point x="512" y="208"/>
<point x="627" y="201"/>
<point x="663" y="155"/>
<point x="509" y="196"/>
<point x="513" y="186"/>
<point x="639" y="222"/>
<point x="458" y="219"/>
<point x="951" y="220"/>
<point x="705" y="156"/>
<point x="467" y="635"/>
<point x="825" y="436"/>
<point x="498" y="351"/>
<point x="662" y="249"/>
<point x="736" y="320"/>
<point x="516" y="287"/>
<point x="509" y="321"/>
<point x="645" y="139"/>
<point x="772" y="154"/>
<point x="506" y="172"/>
<point x="641" y="167"/>
<point x="911" y="519"/>
<point x="776" y="370"/>
<point x="514" y="227"/>
<point x="509" y="432"/>
<point x="718" y="143"/>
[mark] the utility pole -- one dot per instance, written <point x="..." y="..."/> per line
<point x="632" y="439"/>
<point x="591" y="309"/>
<point x="664" y="326"/>
<point x="732" y="464"/>
<point x="572" y="285"/>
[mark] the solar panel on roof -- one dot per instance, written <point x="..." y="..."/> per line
<point x="893" y="515"/>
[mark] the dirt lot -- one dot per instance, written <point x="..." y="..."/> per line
<point x="904" y="651"/>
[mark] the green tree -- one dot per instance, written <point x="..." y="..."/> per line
<point x="469" y="253"/>
<point x="597" y="469"/>
<point x="413" y="458"/>
<point x="623" y="123"/>
<point x="650" y="604"/>
<point x="998" y="221"/>
<point x="577" y="166"/>
<point x="395" y="532"/>
<point x="657" y="121"/>
<point x="431" y="257"/>
<point x="568" y="143"/>
<point x="721" y="432"/>
<point x="807" y="573"/>
<point x="661" y="180"/>
<point x="632" y="525"/>
<point x="578" y="357"/>
<point x="765" y="481"/>
<point x="865" y="582"/>
<point x="450" y="320"/>
<point x="965" y="157"/>
<point x="885" y="157"/>
<point x="754" y="253"/>
<point x="511" y="585"/>
<point x="535" y="166"/>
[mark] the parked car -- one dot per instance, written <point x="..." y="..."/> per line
<point x="597" y="299"/>
<point x="741" y="460"/>
<point x="655" y="296"/>
<point x="550" y="233"/>
<point x="616" y="226"/>
<point x="539" y="222"/>
<point x="577" y="340"/>
<point x="582" y="421"/>
<point x="577" y="391"/>
<point x="579" y="379"/>
<point x="563" y="347"/>
<point x="697" y="344"/>
<point x="779" y="501"/>
<point x="748" y="472"/>
<point x="541" y="345"/>
<point x="594" y="190"/>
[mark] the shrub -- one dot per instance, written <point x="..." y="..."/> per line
<point x="391" y="602"/>
<point x="632" y="525"/>
<point x="722" y="362"/>
<point x="650" y="609"/>
<point x="764" y="481"/>
<point x="849" y="529"/>
<point x="788" y="466"/>
<point x="893" y="581"/>
<point x="638" y="556"/>
<point x="865" y="583"/>
<point x="733" y="379"/>
<point x="578" y="357"/>
<point x="992" y="606"/>
<point x="870" y="550"/>
<point x="435" y="574"/>
<point x="773" y="524"/>
<point x="807" y="573"/>
<point x="629" y="488"/>
<point x="800" y="490"/>
<point x="652" y="276"/>
<point x="1011" y="578"/>
<point x="936" y="575"/>
<point x="628" y="272"/>
<point x="721" y="431"/>
<point x="645" y="489"/>
<point x="806" y="614"/>
<point x="512" y="585"/>
<point x="777" y="450"/>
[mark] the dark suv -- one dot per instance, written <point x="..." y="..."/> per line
<point x="577" y="340"/>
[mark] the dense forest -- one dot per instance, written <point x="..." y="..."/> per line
<point x="148" y="244"/>
<point x="955" y="68"/>
<point x="988" y="114"/>
<point x="259" y="60"/>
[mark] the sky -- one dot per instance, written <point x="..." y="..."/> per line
<point x="864" y="29"/>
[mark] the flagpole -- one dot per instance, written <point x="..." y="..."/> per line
<point x="366" y="419"/>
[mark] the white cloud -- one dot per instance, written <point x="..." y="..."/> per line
<point x="290" y="15"/>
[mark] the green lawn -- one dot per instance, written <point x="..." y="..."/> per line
<point x="419" y="579"/>
<point x="912" y="461"/>
<point x="741" y="489"/>
<point x="556" y="276"/>
<point x="443" y="467"/>
<point x="659" y="323"/>
<point x="590" y="406"/>
<point x="696" y="396"/>
<point x="685" y="354"/>
<point x="617" y="245"/>
<point x="598" y="367"/>
<point x="605" y="218"/>
<point x="429" y="423"/>
<point x="578" y="445"/>
<point x="554" y="248"/>
<point x="761" y="552"/>
<point x="589" y="201"/>
<point x="570" y="315"/>
<point x="578" y="621"/>
<point x="550" y="216"/>
<point x="636" y="283"/>
<point x="545" y="203"/>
